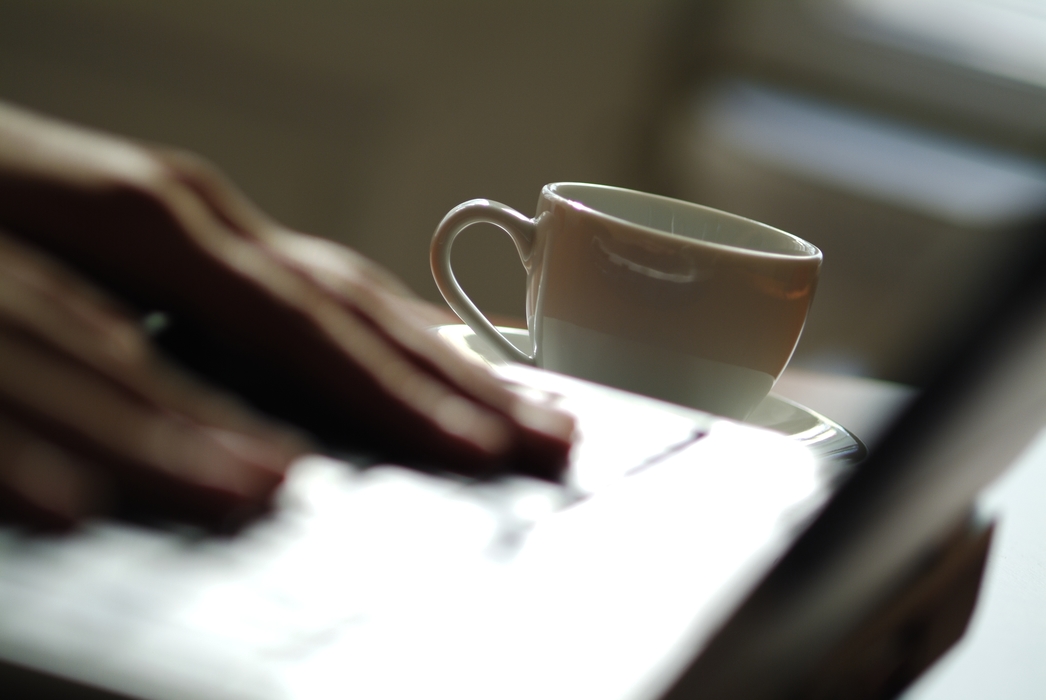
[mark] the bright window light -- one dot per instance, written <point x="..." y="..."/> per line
<point x="1001" y="37"/>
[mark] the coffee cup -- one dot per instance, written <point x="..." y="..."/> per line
<point x="644" y="293"/>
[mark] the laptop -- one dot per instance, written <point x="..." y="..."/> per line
<point x="685" y="554"/>
<point x="373" y="580"/>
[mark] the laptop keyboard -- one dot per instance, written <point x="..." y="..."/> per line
<point x="345" y="547"/>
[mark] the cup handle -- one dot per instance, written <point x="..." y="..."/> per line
<point x="519" y="228"/>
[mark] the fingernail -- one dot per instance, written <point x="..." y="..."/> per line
<point x="222" y="462"/>
<point x="549" y="422"/>
<point x="268" y="455"/>
<point x="459" y="417"/>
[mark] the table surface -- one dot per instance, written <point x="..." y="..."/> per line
<point x="1003" y="651"/>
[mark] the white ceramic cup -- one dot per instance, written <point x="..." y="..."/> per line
<point x="649" y="294"/>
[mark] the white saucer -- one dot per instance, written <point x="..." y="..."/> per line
<point x="826" y="438"/>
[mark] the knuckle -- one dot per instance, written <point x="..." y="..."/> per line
<point x="190" y="164"/>
<point x="140" y="177"/>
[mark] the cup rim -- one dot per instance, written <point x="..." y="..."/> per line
<point x="807" y="250"/>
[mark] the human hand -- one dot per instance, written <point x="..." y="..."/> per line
<point x="92" y="422"/>
<point x="167" y="231"/>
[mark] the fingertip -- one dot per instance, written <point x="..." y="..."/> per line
<point x="246" y="472"/>
<point x="528" y="439"/>
<point x="544" y="445"/>
<point x="549" y="422"/>
<point x="208" y="474"/>
<point x="483" y="430"/>
<point x="273" y="456"/>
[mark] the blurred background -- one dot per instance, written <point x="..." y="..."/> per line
<point x="906" y="138"/>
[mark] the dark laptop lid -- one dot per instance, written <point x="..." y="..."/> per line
<point x="986" y="402"/>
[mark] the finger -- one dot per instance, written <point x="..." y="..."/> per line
<point x="417" y="407"/>
<point x="398" y="319"/>
<point x="42" y="299"/>
<point x="327" y="262"/>
<point x="45" y="301"/>
<point x="515" y="441"/>
<point x="540" y="433"/>
<point x="418" y="374"/>
<point x="472" y="379"/>
<point x="42" y="484"/>
<point x="152" y="456"/>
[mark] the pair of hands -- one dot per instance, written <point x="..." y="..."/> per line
<point x="93" y="420"/>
